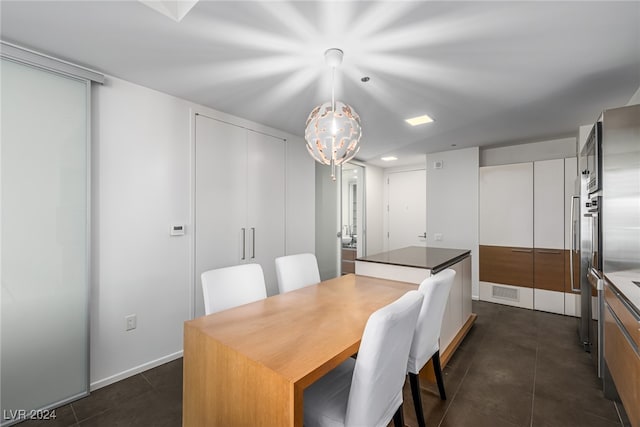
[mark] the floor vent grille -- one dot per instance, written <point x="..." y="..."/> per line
<point x="501" y="292"/>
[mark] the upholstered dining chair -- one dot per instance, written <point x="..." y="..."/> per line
<point x="426" y="340"/>
<point x="296" y="271"/>
<point x="367" y="391"/>
<point x="232" y="286"/>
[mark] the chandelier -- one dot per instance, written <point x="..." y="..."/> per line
<point x="333" y="128"/>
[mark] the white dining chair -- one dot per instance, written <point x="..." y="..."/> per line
<point x="367" y="391"/>
<point x="296" y="271"/>
<point x="426" y="339"/>
<point x="232" y="286"/>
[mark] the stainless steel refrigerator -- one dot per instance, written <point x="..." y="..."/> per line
<point x="609" y="214"/>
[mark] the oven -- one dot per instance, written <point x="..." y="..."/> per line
<point x="591" y="160"/>
<point x="595" y="278"/>
<point x="591" y="277"/>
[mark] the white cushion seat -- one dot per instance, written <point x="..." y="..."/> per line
<point x="367" y="392"/>
<point x="426" y="339"/>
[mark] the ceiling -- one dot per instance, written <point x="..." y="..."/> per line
<point x="489" y="73"/>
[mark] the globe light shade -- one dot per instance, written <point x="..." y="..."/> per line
<point x="333" y="135"/>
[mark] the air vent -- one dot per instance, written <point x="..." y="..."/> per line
<point x="501" y="292"/>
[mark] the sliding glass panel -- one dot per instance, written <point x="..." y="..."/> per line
<point x="327" y="222"/>
<point x="44" y="235"/>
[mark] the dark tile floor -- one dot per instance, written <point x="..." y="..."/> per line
<point x="515" y="368"/>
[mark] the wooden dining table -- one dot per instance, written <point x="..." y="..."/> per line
<point x="249" y="365"/>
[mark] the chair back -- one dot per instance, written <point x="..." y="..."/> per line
<point x="296" y="271"/>
<point x="232" y="286"/>
<point x="381" y="366"/>
<point x="426" y="339"/>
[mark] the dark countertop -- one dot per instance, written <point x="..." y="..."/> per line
<point x="434" y="259"/>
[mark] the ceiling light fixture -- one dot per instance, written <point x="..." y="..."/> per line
<point x="388" y="158"/>
<point x="333" y="129"/>
<point x="420" y="120"/>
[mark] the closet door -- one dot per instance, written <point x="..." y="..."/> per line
<point x="266" y="204"/>
<point x="45" y="239"/>
<point x="548" y="237"/>
<point x="220" y="198"/>
<point x="506" y="234"/>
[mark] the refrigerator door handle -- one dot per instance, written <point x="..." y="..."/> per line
<point x="573" y="240"/>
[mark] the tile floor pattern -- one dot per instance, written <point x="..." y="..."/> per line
<point x="515" y="368"/>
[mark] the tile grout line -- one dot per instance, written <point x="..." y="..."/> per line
<point x="147" y="380"/>
<point x="535" y="373"/>
<point x="455" y="393"/>
<point x="74" y="414"/>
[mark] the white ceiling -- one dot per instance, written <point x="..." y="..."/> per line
<point x="489" y="73"/>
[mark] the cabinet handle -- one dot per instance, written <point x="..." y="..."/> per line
<point x="253" y="242"/>
<point x="543" y="251"/>
<point x="573" y="240"/>
<point x="528" y="251"/>
<point x="244" y="235"/>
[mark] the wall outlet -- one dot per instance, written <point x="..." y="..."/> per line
<point x="132" y="322"/>
<point x="438" y="237"/>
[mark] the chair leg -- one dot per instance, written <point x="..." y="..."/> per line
<point x="417" y="400"/>
<point x="398" y="417"/>
<point x="438" y="371"/>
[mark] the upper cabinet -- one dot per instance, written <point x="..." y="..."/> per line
<point x="506" y="205"/>
<point x="548" y="202"/>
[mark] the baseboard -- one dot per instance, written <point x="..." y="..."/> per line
<point x="133" y="371"/>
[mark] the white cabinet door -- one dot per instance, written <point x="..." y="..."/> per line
<point x="266" y="204"/>
<point x="548" y="190"/>
<point x="220" y="198"/>
<point x="506" y="205"/>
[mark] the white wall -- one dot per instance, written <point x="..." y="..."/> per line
<point x="635" y="99"/>
<point x="543" y="150"/>
<point x="452" y="204"/>
<point x="142" y="183"/>
<point x="373" y="199"/>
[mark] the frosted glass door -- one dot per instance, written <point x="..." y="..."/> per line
<point x="44" y="235"/>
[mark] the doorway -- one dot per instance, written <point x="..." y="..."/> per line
<point x="352" y="216"/>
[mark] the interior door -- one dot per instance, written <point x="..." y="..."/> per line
<point x="220" y="198"/>
<point x="407" y="201"/>
<point x="266" y="204"/>
<point x="44" y="262"/>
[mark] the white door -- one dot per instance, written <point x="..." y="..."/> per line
<point x="266" y="204"/>
<point x="220" y="198"/>
<point x="407" y="220"/>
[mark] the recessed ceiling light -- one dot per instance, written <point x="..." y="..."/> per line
<point x="388" y="158"/>
<point x="365" y="79"/>
<point x="420" y="120"/>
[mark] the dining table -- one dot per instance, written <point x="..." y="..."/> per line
<point x="249" y="365"/>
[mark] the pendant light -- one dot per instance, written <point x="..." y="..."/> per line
<point x="333" y="128"/>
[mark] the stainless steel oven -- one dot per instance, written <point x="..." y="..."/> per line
<point x="595" y="278"/>
<point x="591" y="283"/>
<point x="591" y="160"/>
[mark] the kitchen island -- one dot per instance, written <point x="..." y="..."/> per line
<point x="413" y="264"/>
